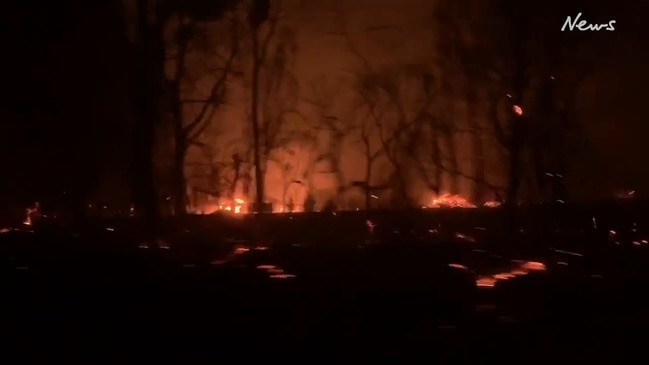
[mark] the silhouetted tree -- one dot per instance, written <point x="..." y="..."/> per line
<point x="259" y="13"/>
<point x="324" y="97"/>
<point x="151" y="18"/>
<point x="188" y="128"/>
<point x="513" y="61"/>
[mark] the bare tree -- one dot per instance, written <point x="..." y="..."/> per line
<point x="324" y="98"/>
<point x="282" y="123"/>
<point x="258" y="16"/>
<point x="528" y="70"/>
<point x="386" y="118"/>
<point x="274" y="88"/>
<point x="149" y="19"/>
<point x="187" y="126"/>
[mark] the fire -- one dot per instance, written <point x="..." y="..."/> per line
<point x="450" y="201"/>
<point x="32" y="212"/>
<point x="281" y="208"/>
<point x="234" y="206"/>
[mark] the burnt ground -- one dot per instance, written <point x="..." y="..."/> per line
<point x="328" y="284"/>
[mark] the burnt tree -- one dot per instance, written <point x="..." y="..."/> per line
<point x="150" y="21"/>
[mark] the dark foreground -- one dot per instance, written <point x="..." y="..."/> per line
<point x="398" y="290"/>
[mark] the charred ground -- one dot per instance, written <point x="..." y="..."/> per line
<point x="441" y="280"/>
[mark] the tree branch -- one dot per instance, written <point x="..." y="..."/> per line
<point x="190" y="129"/>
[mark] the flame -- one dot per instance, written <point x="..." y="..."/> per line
<point x="30" y="212"/>
<point x="234" y="206"/>
<point x="492" y="204"/>
<point x="450" y="201"/>
<point x="281" y="208"/>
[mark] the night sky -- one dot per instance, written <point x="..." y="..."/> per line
<point x="65" y="109"/>
<point x="63" y="113"/>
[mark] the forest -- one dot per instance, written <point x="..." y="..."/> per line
<point x="340" y="105"/>
<point x="475" y="113"/>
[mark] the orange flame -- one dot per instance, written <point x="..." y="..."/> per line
<point x="450" y="201"/>
<point x="234" y="206"/>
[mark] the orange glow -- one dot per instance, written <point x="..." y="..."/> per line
<point x="241" y="250"/>
<point x="32" y="211"/>
<point x="533" y="266"/>
<point x="282" y="276"/>
<point x="518" y="110"/>
<point x="458" y="266"/>
<point x="492" y="204"/>
<point x="266" y="267"/>
<point x="523" y="268"/>
<point x="450" y="201"/>
<point x="275" y="272"/>
<point x="486" y="282"/>
<point x="234" y="206"/>
<point x="280" y="208"/>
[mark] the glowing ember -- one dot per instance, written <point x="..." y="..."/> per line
<point x="266" y="267"/>
<point x="533" y="266"/>
<point x="486" y="282"/>
<point x="518" y="110"/>
<point x="492" y="204"/>
<point x="241" y="250"/>
<point x="523" y="268"/>
<point x="282" y="276"/>
<point x="450" y="201"/>
<point x="464" y="237"/>
<point x="370" y="226"/>
<point x="625" y="194"/>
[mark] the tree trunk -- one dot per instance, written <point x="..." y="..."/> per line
<point x="181" y="137"/>
<point x="436" y="157"/>
<point x="449" y="138"/>
<point x="368" y="181"/>
<point x="478" y="150"/>
<point x="149" y="75"/>
<point x="178" y="176"/>
<point x="259" y="178"/>
<point x="540" y="178"/>
<point x="336" y="157"/>
<point x="236" y="162"/>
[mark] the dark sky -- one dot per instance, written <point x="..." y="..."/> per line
<point x="65" y="103"/>
<point x="62" y="104"/>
